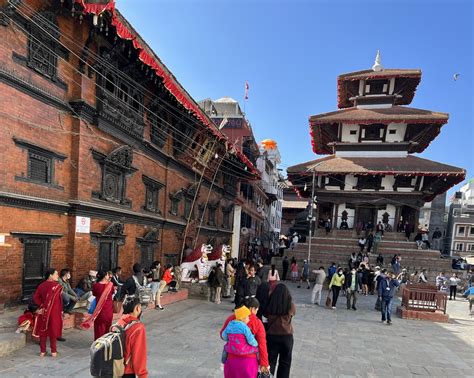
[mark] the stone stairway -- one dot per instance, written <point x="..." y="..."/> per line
<point x="338" y="245"/>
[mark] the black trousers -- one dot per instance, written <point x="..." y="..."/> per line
<point x="335" y="294"/>
<point x="452" y="291"/>
<point x="280" y="348"/>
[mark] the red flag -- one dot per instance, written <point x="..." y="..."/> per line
<point x="246" y="91"/>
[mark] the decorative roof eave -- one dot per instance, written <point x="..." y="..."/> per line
<point x="125" y="31"/>
<point x="414" y="77"/>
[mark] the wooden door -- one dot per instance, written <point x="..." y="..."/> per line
<point x="36" y="260"/>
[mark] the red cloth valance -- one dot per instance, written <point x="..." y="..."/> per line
<point x="96" y="8"/>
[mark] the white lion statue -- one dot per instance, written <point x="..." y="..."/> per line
<point x="219" y="255"/>
<point x="195" y="267"/>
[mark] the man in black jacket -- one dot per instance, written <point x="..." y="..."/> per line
<point x="352" y="285"/>
<point x="130" y="287"/>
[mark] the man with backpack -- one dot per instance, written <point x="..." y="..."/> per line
<point x="122" y="352"/>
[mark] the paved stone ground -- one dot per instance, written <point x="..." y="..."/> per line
<point x="183" y="341"/>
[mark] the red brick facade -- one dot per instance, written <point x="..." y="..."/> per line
<point x="36" y="115"/>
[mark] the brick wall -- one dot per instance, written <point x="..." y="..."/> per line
<point x="27" y="118"/>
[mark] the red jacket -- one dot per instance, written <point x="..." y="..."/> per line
<point x="257" y="329"/>
<point x="135" y="347"/>
<point x="167" y="277"/>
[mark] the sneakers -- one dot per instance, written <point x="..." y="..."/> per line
<point x="157" y="307"/>
<point x="298" y="286"/>
<point x="62" y="339"/>
<point x="354" y="308"/>
<point x="333" y="307"/>
<point x="389" y="322"/>
<point x="309" y="287"/>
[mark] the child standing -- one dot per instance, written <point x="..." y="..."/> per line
<point x="241" y="343"/>
<point x="294" y="270"/>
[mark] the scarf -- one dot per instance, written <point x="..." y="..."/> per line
<point x="89" y="320"/>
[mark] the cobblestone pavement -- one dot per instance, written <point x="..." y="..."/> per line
<point x="183" y="341"/>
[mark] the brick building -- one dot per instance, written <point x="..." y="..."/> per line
<point x="93" y="125"/>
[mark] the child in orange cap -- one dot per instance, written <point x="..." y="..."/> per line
<point x="241" y="344"/>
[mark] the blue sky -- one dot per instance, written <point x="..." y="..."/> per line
<point x="291" y="51"/>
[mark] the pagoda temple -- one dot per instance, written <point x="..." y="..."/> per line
<point x="370" y="173"/>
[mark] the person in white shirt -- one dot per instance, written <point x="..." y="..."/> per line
<point x="273" y="277"/>
<point x="318" y="286"/>
<point x="453" y="286"/>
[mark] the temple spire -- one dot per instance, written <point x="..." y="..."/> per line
<point x="377" y="65"/>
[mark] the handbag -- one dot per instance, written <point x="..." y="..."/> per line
<point x="378" y="304"/>
<point x="92" y="306"/>
<point x="328" y="300"/>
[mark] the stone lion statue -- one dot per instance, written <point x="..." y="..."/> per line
<point x="195" y="267"/>
<point x="219" y="255"/>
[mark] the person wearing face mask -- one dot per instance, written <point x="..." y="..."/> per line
<point x="135" y="338"/>
<point x="351" y="292"/>
<point x="69" y="296"/>
<point x="337" y="282"/>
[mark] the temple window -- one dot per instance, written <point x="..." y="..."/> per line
<point x="369" y="182"/>
<point x="374" y="87"/>
<point x="375" y="132"/>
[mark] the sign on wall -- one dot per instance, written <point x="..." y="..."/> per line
<point x="83" y="225"/>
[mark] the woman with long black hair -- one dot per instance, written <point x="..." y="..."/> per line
<point x="279" y="312"/>
<point x="241" y="285"/>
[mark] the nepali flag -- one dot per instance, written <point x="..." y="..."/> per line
<point x="246" y="91"/>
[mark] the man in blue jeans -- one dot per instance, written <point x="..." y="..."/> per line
<point x="386" y="288"/>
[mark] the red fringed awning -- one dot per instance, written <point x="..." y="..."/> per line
<point x="96" y="8"/>
<point x="170" y="84"/>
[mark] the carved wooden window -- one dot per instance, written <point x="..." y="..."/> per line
<point x="188" y="203"/>
<point x="158" y="128"/>
<point x="373" y="87"/>
<point x="206" y="152"/>
<point x="152" y="189"/>
<point x="226" y="210"/>
<point x="39" y="168"/>
<point x="42" y="44"/>
<point x="369" y="182"/>
<point x="211" y="215"/>
<point x="201" y="211"/>
<point x="175" y="200"/>
<point x="147" y="252"/>
<point x="373" y="132"/>
<point x="40" y="163"/>
<point x="403" y="182"/>
<point x="115" y="168"/>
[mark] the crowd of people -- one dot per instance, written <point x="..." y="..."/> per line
<point x="258" y="336"/>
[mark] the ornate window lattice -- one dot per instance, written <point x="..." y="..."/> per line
<point x="115" y="168"/>
<point x="175" y="200"/>
<point x="40" y="163"/>
<point x="42" y="45"/>
<point x="152" y="189"/>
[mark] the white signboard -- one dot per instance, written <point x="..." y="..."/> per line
<point x="2" y="239"/>
<point x="83" y="225"/>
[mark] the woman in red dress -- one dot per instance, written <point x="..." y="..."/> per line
<point x="102" y="316"/>
<point x="49" y="320"/>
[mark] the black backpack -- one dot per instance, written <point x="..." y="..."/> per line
<point x="107" y="353"/>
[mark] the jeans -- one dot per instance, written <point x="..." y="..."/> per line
<point x="387" y="309"/>
<point x="280" y="347"/>
<point x="216" y="294"/>
<point x="351" y="297"/>
<point x="317" y="290"/>
<point x="154" y="286"/>
<point x="436" y="244"/>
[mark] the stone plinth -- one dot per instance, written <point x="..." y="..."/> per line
<point x="198" y="290"/>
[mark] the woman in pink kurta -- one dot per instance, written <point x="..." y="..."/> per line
<point x="49" y="320"/>
<point x="104" y="310"/>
